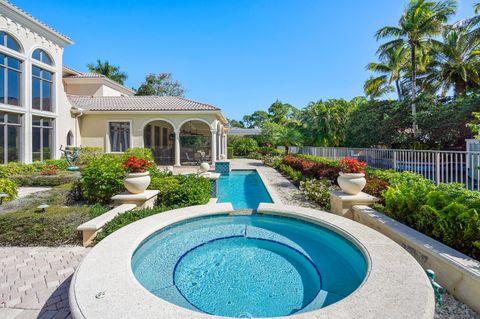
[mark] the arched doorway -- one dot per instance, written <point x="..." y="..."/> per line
<point x="195" y="143"/>
<point x="159" y="136"/>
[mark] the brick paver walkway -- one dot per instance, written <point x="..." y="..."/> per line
<point x="34" y="281"/>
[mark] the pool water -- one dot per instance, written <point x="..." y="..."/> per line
<point x="249" y="266"/>
<point x="244" y="189"/>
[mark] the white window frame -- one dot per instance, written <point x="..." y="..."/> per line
<point x="107" y="135"/>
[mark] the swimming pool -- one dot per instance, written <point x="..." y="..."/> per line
<point x="249" y="266"/>
<point x="244" y="189"/>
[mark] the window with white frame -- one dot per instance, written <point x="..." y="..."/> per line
<point x="42" y="89"/>
<point x="10" y="80"/>
<point x="10" y="136"/>
<point x="119" y="135"/>
<point x="42" y="138"/>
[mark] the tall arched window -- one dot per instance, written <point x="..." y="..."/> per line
<point x="8" y="41"/>
<point x="42" y="56"/>
<point x="42" y="82"/>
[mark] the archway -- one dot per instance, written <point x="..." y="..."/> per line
<point x="159" y="136"/>
<point x="195" y="142"/>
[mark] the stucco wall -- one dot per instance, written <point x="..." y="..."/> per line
<point x="94" y="127"/>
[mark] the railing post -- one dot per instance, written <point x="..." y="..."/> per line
<point x="394" y="160"/>
<point x="437" y="167"/>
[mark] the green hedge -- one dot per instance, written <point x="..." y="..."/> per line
<point x="45" y="180"/>
<point x="176" y="191"/>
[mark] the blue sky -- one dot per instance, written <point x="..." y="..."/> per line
<point x="240" y="55"/>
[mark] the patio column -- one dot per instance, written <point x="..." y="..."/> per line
<point x="177" y="148"/>
<point x="214" y="146"/>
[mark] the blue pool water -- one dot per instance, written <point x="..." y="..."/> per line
<point x="244" y="189"/>
<point x="249" y="266"/>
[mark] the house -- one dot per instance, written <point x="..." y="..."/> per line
<point x="44" y="105"/>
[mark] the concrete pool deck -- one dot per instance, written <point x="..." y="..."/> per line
<point x="105" y="287"/>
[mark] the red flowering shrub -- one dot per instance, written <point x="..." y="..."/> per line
<point x="49" y="170"/>
<point x="311" y="168"/>
<point x="136" y="165"/>
<point x="352" y="166"/>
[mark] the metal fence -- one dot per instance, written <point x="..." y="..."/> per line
<point x="437" y="166"/>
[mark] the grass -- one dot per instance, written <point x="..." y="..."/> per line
<point x="27" y="226"/>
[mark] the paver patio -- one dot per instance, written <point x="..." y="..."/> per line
<point x="34" y="281"/>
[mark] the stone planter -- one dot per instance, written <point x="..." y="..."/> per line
<point x="136" y="183"/>
<point x="350" y="183"/>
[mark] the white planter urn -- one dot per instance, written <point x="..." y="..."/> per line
<point x="136" y="183"/>
<point x="351" y="183"/>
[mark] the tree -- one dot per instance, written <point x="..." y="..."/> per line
<point x="456" y="59"/>
<point x="256" y="119"/>
<point x="391" y="66"/>
<point x="288" y="136"/>
<point x="160" y="85"/>
<point x="325" y="122"/>
<point x="477" y="8"/>
<point x="421" y="21"/>
<point x="376" y="87"/>
<point x="235" y="123"/>
<point x="110" y="71"/>
<point x="282" y="113"/>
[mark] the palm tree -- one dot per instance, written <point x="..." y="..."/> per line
<point x="110" y="71"/>
<point x="288" y="136"/>
<point x="392" y="64"/>
<point x="456" y="58"/>
<point x="376" y="87"/>
<point x="421" y="21"/>
<point x="477" y="7"/>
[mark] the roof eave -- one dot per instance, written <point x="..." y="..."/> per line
<point x="31" y="22"/>
<point x="100" y="80"/>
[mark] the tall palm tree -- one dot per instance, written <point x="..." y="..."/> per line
<point x="376" y="87"/>
<point x="391" y="65"/>
<point x="456" y="57"/>
<point x="476" y="7"/>
<point x="110" y="71"/>
<point x="288" y="136"/>
<point x="421" y="21"/>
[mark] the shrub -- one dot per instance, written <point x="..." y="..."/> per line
<point x="102" y="178"/>
<point x="230" y="152"/>
<point x="87" y="154"/>
<point x="127" y="218"/>
<point x="140" y="153"/>
<point x="318" y="191"/>
<point x="272" y="161"/>
<point x="8" y="187"/>
<point x="293" y="174"/>
<point x="244" y="146"/>
<point x="311" y="168"/>
<point x="49" y="169"/>
<point x="179" y="190"/>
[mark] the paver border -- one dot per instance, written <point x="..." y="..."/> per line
<point x="104" y="285"/>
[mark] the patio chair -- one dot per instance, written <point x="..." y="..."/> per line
<point x="190" y="160"/>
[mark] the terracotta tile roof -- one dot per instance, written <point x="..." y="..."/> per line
<point x="25" y="13"/>
<point x="88" y="75"/>
<point x="138" y="103"/>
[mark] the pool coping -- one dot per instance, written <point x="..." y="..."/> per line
<point x="395" y="287"/>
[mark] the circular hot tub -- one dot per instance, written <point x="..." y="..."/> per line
<point x="205" y="262"/>
<point x="256" y="265"/>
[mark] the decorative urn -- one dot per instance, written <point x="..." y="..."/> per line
<point x="352" y="176"/>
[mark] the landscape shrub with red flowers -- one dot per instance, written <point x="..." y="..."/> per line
<point x="352" y="166"/>
<point x="311" y="168"/>
<point x="136" y="165"/>
<point x="49" y="170"/>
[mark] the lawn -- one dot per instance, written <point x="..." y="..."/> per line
<point x="28" y="226"/>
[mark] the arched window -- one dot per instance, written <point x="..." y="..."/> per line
<point x="70" y="138"/>
<point x="8" y="41"/>
<point x="42" y="56"/>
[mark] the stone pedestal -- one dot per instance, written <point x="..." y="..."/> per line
<point x="144" y="200"/>
<point x="342" y="203"/>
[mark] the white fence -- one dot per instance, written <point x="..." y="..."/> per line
<point x="437" y="166"/>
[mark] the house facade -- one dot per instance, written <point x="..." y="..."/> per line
<point x="44" y="105"/>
